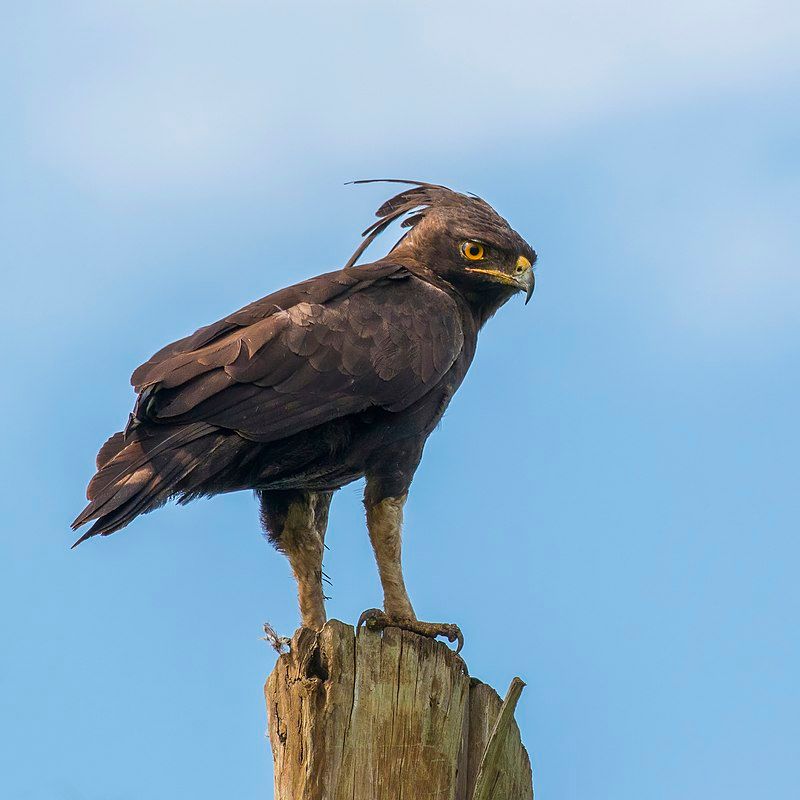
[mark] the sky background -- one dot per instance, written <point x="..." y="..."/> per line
<point x="631" y="553"/>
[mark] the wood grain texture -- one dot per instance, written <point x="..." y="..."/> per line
<point x="382" y="716"/>
<point x="503" y="769"/>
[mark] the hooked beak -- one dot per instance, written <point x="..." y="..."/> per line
<point x="524" y="277"/>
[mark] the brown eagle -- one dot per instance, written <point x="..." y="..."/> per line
<point x="339" y="377"/>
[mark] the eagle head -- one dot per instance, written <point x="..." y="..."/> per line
<point x="461" y="238"/>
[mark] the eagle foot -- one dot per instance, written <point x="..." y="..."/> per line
<point x="377" y="620"/>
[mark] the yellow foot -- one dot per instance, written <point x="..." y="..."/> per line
<point x="377" y="620"/>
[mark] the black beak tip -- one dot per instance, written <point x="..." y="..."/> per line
<point x="528" y="285"/>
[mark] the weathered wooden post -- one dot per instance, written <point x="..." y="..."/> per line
<point x="389" y="716"/>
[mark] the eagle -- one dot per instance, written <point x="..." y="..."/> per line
<point x="340" y="377"/>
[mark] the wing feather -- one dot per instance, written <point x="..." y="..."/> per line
<point x="382" y="344"/>
<point x="319" y="290"/>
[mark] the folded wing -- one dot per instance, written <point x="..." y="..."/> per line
<point x="384" y="343"/>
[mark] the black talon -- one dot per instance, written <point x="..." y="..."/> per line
<point x="367" y="616"/>
<point x="453" y="634"/>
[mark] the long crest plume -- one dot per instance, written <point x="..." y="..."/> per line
<point x="419" y="199"/>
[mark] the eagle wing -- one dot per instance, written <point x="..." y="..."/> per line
<point x="320" y="289"/>
<point x="375" y="336"/>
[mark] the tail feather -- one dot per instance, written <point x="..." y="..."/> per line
<point x="111" y="519"/>
<point x="153" y="466"/>
<point x="113" y="446"/>
<point x="223" y="457"/>
<point x="144" y="446"/>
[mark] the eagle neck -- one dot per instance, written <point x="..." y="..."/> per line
<point x="479" y="305"/>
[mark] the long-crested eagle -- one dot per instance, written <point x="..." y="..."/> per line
<point x="339" y="377"/>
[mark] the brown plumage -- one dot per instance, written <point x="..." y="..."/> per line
<point x="338" y="377"/>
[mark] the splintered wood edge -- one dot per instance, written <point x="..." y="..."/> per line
<point x="292" y="679"/>
<point x="487" y="773"/>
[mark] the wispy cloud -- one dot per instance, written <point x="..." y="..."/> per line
<point x="160" y="99"/>
<point x="172" y="94"/>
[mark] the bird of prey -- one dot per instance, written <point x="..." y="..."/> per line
<point x="339" y="377"/>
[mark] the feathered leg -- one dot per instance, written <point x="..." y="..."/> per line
<point x="385" y="524"/>
<point x="295" y="522"/>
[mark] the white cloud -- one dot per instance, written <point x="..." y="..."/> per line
<point x="174" y="95"/>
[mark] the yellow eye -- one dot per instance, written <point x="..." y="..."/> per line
<point x="472" y="251"/>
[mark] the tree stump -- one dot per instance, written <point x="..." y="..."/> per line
<point x="389" y="716"/>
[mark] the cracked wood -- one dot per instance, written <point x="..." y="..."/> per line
<point x="385" y="716"/>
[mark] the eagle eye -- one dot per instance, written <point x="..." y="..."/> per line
<point x="473" y="251"/>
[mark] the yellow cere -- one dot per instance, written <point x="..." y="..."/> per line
<point x="522" y="264"/>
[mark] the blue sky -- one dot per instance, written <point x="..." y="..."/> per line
<point x="632" y="553"/>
